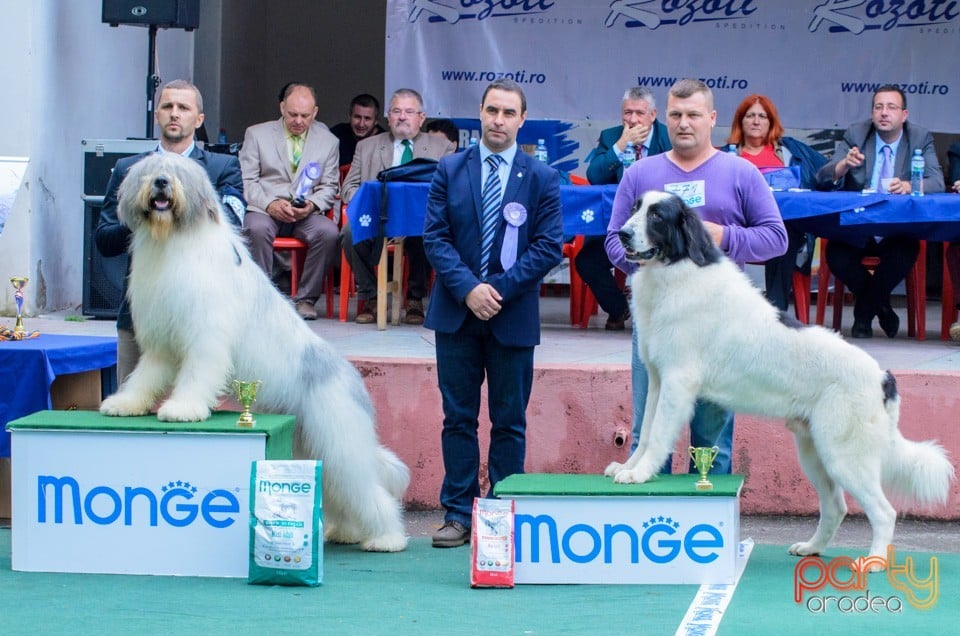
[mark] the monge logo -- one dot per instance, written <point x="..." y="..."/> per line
<point x="173" y="503"/>
<point x="268" y="487"/>
<point x="653" y="13"/>
<point x="857" y="16"/>
<point x="659" y="540"/>
<point x="452" y="12"/>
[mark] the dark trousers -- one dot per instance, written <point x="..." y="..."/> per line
<point x="871" y="292"/>
<point x="463" y="360"/>
<point x="953" y="268"/>
<point x="778" y="272"/>
<point x="594" y="268"/>
<point x="365" y="255"/>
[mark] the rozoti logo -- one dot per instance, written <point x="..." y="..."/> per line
<point x="452" y="11"/>
<point x="654" y="13"/>
<point x="659" y="540"/>
<point x="857" y="16"/>
<point x="813" y="574"/>
<point x="174" y="503"/>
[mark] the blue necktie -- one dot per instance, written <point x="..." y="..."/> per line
<point x="491" y="209"/>
<point x="886" y="166"/>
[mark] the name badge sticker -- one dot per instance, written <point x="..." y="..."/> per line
<point x="693" y="193"/>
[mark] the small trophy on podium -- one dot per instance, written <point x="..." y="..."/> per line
<point x="19" y="332"/>
<point x="703" y="461"/>
<point x="246" y="394"/>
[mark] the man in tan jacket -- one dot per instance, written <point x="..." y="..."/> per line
<point x="402" y="143"/>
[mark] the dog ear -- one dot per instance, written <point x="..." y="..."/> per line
<point x="214" y="211"/>
<point x="700" y="247"/>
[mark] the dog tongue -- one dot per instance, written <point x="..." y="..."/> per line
<point x="161" y="204"/>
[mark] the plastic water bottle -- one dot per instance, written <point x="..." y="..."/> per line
<point x="222" y="137"/>
<point x="917" y="165"/>
<point x="732" y="149"/>
<point x="629" y="155"/>
<point x="541" y="152"/>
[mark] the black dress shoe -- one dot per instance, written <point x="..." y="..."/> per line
<point x="861" y="330"/>
<point x="889" y="321"/>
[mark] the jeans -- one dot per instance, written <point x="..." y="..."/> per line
<point x="463" y="359"/>
<point x="711" y="425"/>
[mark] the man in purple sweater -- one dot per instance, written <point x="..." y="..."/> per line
<point x="737" y="208"/>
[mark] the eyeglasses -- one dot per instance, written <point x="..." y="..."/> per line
<point x="879" y="108"/>
<point x="409" y="112"/>
<point x="755" y="116"/>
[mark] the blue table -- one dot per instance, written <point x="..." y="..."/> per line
<point x="587" y="210"/>
<point x="29" y="367"/>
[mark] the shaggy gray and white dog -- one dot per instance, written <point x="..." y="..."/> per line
<point x="706" y="332"/>
<point x="205" y="314"/>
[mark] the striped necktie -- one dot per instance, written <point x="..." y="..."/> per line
<point x="407" y="155"/>
<point x="491" y="207"/>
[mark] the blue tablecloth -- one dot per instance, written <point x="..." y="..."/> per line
<point x="587" y="210"/>
<point x="29" y="367"/>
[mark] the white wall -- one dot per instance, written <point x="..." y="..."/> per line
<point x="67" y="77"/>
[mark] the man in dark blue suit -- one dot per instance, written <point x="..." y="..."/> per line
<point x="179" y="113"/>
<point x="492" y="231"/>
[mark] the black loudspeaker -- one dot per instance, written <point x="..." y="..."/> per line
<point x="103" y="278"/>
<point x="165" y="14"/>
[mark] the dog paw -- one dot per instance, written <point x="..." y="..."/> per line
<point x="337" y="534"/>
<point x="123" y="405"/>
<point x="613" y="469"/>
<point x="385" y="543"/>
<point x="634" y="476"/>
<point x="183" y="412"/>
<point x="804" y="548"/>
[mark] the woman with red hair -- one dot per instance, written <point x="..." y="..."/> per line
<point x="758" y="136"/>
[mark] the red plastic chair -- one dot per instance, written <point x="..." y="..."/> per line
<point x="948" y="310"/>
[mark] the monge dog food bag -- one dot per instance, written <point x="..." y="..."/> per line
<point x="286" y="524"/>
<point x="491" y="543"/>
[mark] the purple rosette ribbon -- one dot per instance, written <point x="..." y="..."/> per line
<point x="310" y="175"/>
<point x="515" y="215"/>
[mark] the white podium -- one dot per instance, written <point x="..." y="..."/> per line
<point x="587" y="529"/>
<point x="135" y="495"/>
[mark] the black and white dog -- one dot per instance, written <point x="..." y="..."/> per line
<point x="706" y="332"/>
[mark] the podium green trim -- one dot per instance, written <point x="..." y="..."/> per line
<point x="567" y="485"/>
<point x="278" y="429"/>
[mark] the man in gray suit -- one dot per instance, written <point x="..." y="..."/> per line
<point x="402" y="143"/>
<point x="875" y="154"/>
<point x="290" y="179"/>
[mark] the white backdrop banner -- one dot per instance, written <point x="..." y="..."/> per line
<point x="818" y="60"/>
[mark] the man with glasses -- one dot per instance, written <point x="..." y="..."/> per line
<point x="402" y="143"/>
<point x="875" y="155"/>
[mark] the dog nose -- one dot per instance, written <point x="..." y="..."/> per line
<point x="625" y="235"/>
<point x="161" y="182"/>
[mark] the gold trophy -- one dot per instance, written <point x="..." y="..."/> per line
<point x="703" y="460"/>
<point x="246" y="394"/>
<point x="19" y="333"/>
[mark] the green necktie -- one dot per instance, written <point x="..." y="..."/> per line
<point x="296" y="151"/>
<point x="407" y="155"/>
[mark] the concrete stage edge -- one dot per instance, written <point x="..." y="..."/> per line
<point x="577" y="411"/>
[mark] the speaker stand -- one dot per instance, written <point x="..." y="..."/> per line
<point x="153" y="80"/>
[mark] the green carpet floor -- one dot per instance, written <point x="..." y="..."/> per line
<point x="424" y="590"/>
